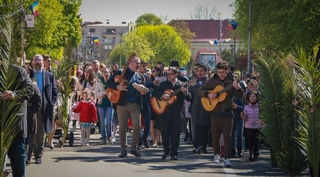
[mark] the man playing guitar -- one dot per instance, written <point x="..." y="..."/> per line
<point x="129" y="106"/>
<point x="169" y="122"/>
<point x="222" y="116"/>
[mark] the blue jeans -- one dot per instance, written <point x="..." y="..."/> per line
<point x="237" y="130"/>
<point x="105" y="116"/>
<point x="17" y="154"/>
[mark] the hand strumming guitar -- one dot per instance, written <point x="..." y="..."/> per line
<point x="166" y="97"/>
<point x="122" y="88"/>
<point x="212" y="95"/>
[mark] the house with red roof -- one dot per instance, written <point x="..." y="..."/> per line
<point x="210" y="37"/>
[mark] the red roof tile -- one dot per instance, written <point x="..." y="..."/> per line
<point x="208" y="29"/>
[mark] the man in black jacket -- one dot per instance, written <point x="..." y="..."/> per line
<point x="169" y="122"/>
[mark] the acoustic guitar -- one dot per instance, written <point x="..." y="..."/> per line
<point x="213" y="104"/>
<point x="160" y="106"/>
<point x="114" y="95"/>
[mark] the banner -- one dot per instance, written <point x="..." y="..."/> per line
<point x="29" y="21"/>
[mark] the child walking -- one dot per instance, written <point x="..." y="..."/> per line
<point x="88" y="115"/>
<point x="250" y="116"/>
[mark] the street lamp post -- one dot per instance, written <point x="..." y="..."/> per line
<point x="120" y="34"/>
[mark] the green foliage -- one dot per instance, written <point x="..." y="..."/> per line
<point x="279" y="90"/>
<point x="166" y="44"/>
<point x="63" y="77"/>
<point x="307" y="74"/>
<point x="58" y="21"/>
<point x="278" y="25"/>
<point x="131" y="43"/>
<point x="148" y="19"/>
<point x="153" y="44"/>
<point x="8" y="108"/>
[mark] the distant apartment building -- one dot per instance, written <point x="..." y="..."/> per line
<point x="99" y="39"/>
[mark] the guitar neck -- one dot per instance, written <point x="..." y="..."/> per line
<point x="225" y="89"/>
<point x="127" y="65"/>
<point x="187" y="84"/>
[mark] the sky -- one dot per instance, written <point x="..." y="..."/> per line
<point x="117" y="11"/>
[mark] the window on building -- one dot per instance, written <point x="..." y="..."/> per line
<point x="111" y="30"/>
<point x="114" y="40"/>
<point x="92" y="30"/>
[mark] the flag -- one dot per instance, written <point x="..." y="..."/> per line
<point x="213" y="42"/>
<point x="233" y="25"/>
<point x="95" y="40"/>
<point x="34" y="8"/>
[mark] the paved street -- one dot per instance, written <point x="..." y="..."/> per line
<point x="102" y="160"/>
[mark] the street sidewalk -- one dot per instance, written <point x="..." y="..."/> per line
<point x="102" y="160"/>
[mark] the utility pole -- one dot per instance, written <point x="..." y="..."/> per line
<point x="249" y="39"/>
<point x="234" y="53"/>
<point x="22" y="33"/>
<point x="220" y="37"/>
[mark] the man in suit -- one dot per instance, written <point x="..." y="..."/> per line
<point x="200" y="117"/>
<point x="169" y="122"/>
<point x="49" y="93"/>
<point x="130" y="106"/>
<point x="19" y="92"/>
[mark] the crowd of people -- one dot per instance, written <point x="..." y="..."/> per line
<point x="236" y="114"/>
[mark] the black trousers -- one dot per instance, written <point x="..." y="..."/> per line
<point x="253" y="140"/>
<point x="170" y="139"/>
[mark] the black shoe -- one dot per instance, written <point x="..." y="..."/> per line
<point x="174" y="157"/>
<point x="164" y="156"/>
<point x="255" y="158"/>
<point x="251" y="159"/>
<point x="186" y="138"/>
<point x="159" y="143"/>
<point x="145" y="143"/>
<point x="135" y="153"/>
<point x="38" y="161"/>
<point x="198" y="151"/>
<point x="204" y="150"/>
<point x="123" y="154"/>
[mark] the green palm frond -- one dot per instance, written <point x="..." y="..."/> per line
<point x="63" y="77"/>
<point x="279" y="90"/>
<point x="307" y="72"/>
<point x="8" y="81"/>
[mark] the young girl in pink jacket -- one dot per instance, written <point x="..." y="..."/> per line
<point x="250" y="116"/>
<point x="88" y="115"/>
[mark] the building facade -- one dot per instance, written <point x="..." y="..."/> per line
<point x="99" y="39"/>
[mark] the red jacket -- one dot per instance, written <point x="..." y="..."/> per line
<point x="87" y="110"/>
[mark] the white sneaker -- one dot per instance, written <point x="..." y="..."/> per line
<point x="113" y="141"/>
<point x="227" y="163"/>
<point x="216" y="158"/>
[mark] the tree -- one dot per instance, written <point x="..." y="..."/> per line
<point x="132" y="43"/>
<point x="202" y="12"/>
<point x="181" y="27"/>
<point x="166" y="44"/>
<point x="148" y="19"/>
<point x="278" y="25"/>
<point x="58" y="21"/>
